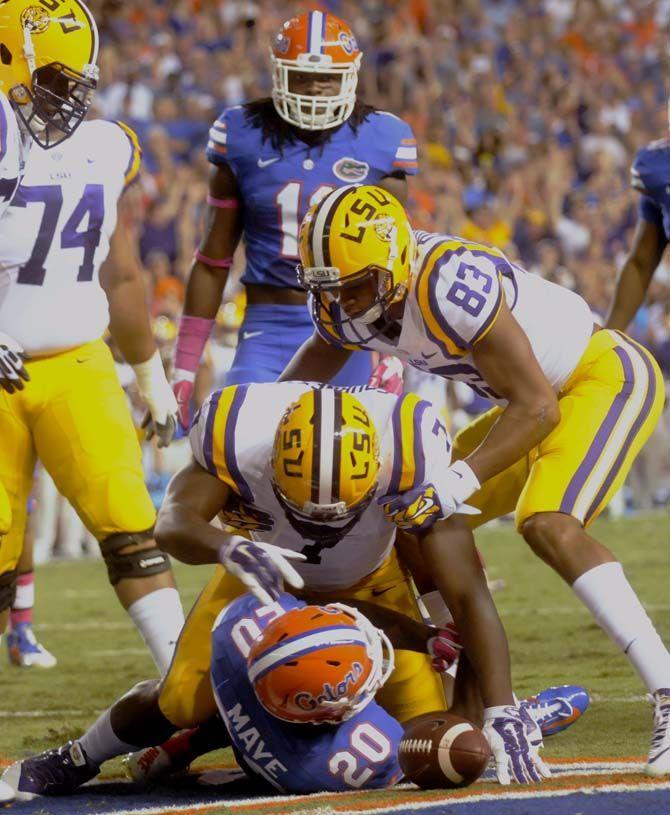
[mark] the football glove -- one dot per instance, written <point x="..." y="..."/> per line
<point x="156" y="392"/>
<point x="388" y="375"/>
<point x="12" y="369"/>
<point x="445" y="647"/>
<point x="515" y="758"/>
<point x="182" y="387"/>
<point x="262" y="567"/>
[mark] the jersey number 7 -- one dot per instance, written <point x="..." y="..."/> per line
<point x="91" y="207"/>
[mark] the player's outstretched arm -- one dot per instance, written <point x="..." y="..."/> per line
<point x="507" y="363"/>
<point x="121" y="278"/>
<point x="315" y="361"/>
<point x="206" y="281"/>
<point x="183" y="528"/>
<point x="636" y="274"/>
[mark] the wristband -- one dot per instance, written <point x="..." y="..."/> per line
<point x="150" y="377"/>
<point x="222" y="203"/>
<point x="437" y="609"/>
<point x="191" y="340"/>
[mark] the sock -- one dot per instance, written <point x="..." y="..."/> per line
<point x="610" y="598"/>
<point x="100" y="742"/>
<point x="22" y="607"/>
<point x="159" y="618"/>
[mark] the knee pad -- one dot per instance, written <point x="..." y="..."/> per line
<point x="137" y="562"/>
<point x="7" y="589"/>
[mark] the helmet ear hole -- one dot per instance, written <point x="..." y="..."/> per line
<point x="5" y="55"/>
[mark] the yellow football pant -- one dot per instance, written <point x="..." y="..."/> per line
<point x="186" y="697"/>
<point x="5" y="514"/>
<point x="609" y="408"/>
<point x="73" y="415"/>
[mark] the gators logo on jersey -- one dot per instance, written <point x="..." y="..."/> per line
<point x="349" y="169"/>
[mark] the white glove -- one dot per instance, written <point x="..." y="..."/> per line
<point x="155" y="390"/>
<point x="514" y="757"/>
<point x="12" y="370"/>
<point x="262" y="567"/>
<point x="454" y="486"/>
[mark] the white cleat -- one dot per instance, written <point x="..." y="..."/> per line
<point x="24" y="650"/>
<point x="658" y="761"/>
<point x="147" y="766"/>
<point x="6" y="793"/>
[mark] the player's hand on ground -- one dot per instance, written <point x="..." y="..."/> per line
<point x="182" y="388"/>
<point x="12" y="368"/>
<point x="445" y="647"/>
<point x="262" y="567"/>
<point x="514" y="756"/>
<point x="164" y="432"/>
<point x="535" y="739"/>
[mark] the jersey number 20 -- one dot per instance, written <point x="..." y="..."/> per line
<point x="90" y="207"/>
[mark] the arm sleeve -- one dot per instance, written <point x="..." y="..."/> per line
<point x="221" y="141"/>
<point x="421" y="444"/>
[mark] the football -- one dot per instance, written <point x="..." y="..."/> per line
<point x="443" y="751"/>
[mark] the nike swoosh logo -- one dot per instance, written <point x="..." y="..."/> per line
<point x="247" y="335"/>
<point x="378" y="592"/>
<point x="266" y="162"/>
<point x="428" y="356"/>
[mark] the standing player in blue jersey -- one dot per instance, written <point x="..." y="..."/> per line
<point x="650" y="176"/>
<point x="272" y="159"/>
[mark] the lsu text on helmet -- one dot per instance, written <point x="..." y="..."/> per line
<point x="325" y="462"/>
<point x="320" y="44"/>
<point x="353" y="235"/>
<point x="319" y="664"/>
<point x="48" y="71"/>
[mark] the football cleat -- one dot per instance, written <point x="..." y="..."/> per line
<point x="6" y="793"/>
<point x="54" y="772"/>
<point x="147" y="766"/>
<point x="24" y="650"/>
<point x="557" y="708"/>
<point x="658" y="761"/>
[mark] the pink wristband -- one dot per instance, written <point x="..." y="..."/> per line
<point x="222" y="203"/>
<point x="191" y="340"/>
<point x="222" y="263"/>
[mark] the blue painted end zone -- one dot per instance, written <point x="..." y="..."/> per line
<point x="655" y="802"/>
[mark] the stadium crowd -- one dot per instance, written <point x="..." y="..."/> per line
<point x="527" y="114"/>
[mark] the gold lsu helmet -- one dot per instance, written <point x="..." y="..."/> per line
<point x="48" y="71"/>
<point x="325" y="463"/>
<point x="353" y="234"/>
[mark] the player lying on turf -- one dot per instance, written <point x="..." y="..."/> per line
<point x="576" y="403"/>
<point x="299" y="467"/>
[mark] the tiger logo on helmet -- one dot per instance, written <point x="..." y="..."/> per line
<point x="314" y="43"/>
<point x="48" y="71"/>
<point x="353" y="234"/>
<point x="319" y="664"/>
<point x="325" y="462"/>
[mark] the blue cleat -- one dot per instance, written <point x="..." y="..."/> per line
<point x="54" y="772"/>
<point x="24" y="650"/>
<point x="557" y="708"/>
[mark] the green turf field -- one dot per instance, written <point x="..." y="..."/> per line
<point x="552" y="639"/>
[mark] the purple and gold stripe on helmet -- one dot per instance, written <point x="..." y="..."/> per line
<point x="220" y="434"/>
<point x="628" y="412"/>
<point x="409" y="465"/>
<point x="654" y="382"/>
<point x="317" y="395"/>
<point x="316" y="32"/>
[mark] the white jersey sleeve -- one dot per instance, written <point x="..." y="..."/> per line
<point x="56" y="235"/>
<point x="460" y="294"/>
<point x="10" y="154"/>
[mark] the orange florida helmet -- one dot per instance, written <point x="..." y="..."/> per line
<point x="314" y="43"/>
<point x="319" y="664"/>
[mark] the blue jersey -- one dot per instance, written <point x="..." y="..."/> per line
<point x="650" y="175"/>
<point x="278" y="189"/>
<point x="359" y="753"/>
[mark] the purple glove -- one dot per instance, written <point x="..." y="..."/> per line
<point x="514" y="756"/>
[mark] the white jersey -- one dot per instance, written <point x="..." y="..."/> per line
<point x="11" y="153"/>
<point x="456" y="291"/>
<point x="233" y="437"/>
<point x="55" y="236"/>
